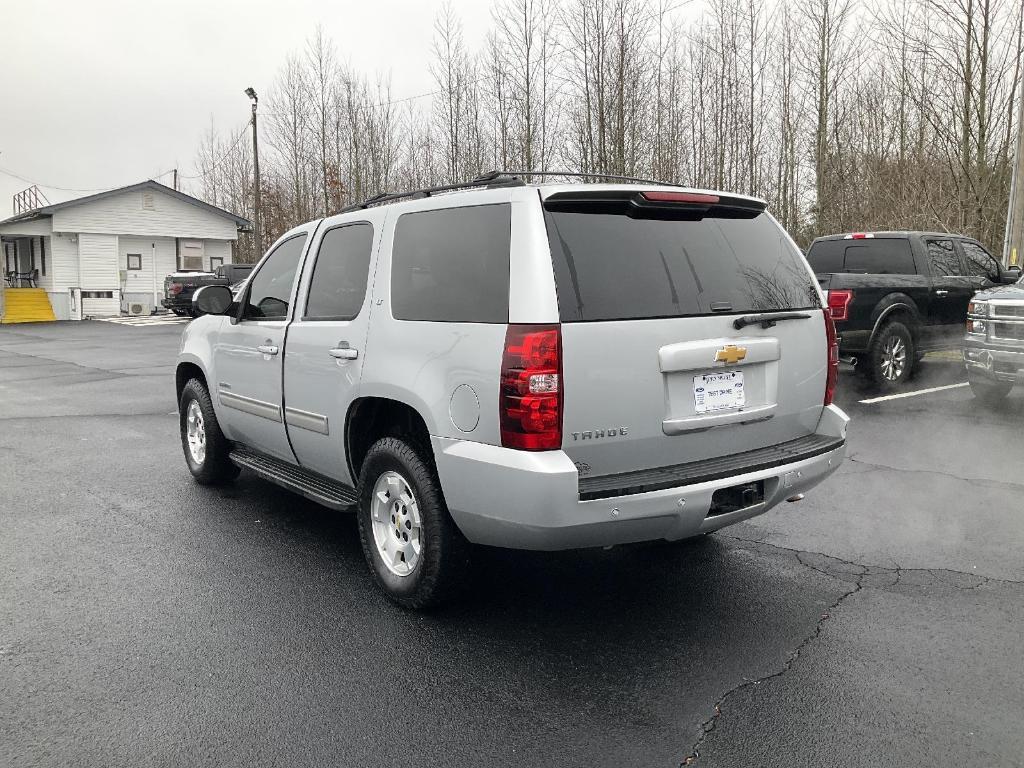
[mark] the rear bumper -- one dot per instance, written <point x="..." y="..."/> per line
<point x="993" y="362"/>
<point x="522" y="500"/>
<point x="853" y="342"/>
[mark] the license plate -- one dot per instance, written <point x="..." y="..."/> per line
<point x="718" y="391"/>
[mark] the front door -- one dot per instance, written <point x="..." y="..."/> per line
<point x="983" y="269"/>
<point x="249" y="351"/>
<point x="326" y="346"/>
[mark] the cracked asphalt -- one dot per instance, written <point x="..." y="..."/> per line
<point x="145" y="621"/>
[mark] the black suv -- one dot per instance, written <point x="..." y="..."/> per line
<point x="896" y="295"/>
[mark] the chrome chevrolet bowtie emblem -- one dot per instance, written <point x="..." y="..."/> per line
<point x="730" y="354"/>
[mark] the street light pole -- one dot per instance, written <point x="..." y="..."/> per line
<point x="257" y="235"/>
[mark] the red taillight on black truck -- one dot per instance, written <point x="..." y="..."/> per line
<point x="530" y="400"/>
<point x="832" y="342"/>
<point x="839" y="304"/>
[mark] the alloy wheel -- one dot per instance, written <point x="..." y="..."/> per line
<point x="397" y="524"/>
<point x="894" y="358"/>
<point x="195" y="432"/>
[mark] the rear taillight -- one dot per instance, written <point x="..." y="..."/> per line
<point x="832" y="375"/>
<point x="530" y="400"/>
<point x="839" y="304"/>
<point x="174" y="289"/>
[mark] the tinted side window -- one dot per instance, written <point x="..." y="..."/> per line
<point x="979" y="262"/>
<point x="451" y="265"/>
<point x="943" y="258"/>
<point x="613" y="267"/>
<point x="271" y="288"/>
<point x="338" y="286"/>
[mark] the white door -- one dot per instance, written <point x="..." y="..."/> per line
<point x="249" y="351"/>
<point x="326" y="345"/>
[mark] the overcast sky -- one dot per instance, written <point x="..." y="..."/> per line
<point x="104" y="93"/>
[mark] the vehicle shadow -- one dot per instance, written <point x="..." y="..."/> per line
<point x="638" y="640"/>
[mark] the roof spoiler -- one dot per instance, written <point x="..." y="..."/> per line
<point x="653" y="204"/>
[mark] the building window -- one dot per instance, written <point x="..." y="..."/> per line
<point x="134" y="261"/>
<point x="97" y="294"/>
<point x="42" y="255"/>
<point x="216" y="261"/>
<point x="191" y="252"/>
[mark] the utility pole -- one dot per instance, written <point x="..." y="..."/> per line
<point x="257" y="235"/>
<point x="1013" y="251"/>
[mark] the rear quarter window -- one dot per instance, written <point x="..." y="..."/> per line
<point x="613" y="267"/>
<point x="874" y="256"/>
<point x="452" y="265"/>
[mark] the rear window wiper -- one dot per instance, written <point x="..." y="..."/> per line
<point x="767" y="321"/>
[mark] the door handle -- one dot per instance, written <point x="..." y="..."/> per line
<point x="343" y="352"/>
<point x="267" y="349"/>
<point x="941" y="292"/>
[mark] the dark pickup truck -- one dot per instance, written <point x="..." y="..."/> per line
<point x="896" y="295"/>
<point x="179" y="286"/>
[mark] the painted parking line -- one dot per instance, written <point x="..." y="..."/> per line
<point x="146" y="320"/>
<point x="915" y="393"/>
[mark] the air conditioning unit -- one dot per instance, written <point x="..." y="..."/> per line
<point x="137" y="308"/>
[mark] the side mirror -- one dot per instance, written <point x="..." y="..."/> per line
<point x="212" y="300"/>
<point x="1010" y="275"/>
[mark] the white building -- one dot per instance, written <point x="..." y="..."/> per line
<point x="95" y="255"/>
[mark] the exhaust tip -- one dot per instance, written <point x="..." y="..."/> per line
<point x="798" y="497"/>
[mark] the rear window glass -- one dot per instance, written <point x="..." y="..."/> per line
<point x="451" y="265"/>
<point x="875" y="256"/>
<point x="613" y="267"/>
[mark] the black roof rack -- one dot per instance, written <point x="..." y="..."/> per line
<point x="574" y="175"/>
<point x="491" y="180"/>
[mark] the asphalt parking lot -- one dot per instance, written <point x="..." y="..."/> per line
<point x="147" y="621"/>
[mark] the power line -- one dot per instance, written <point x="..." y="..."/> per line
<point x="393" y="101"/>
<point x="227" y="153"/>
<point x="18" y="176"/>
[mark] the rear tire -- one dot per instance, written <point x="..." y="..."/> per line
<point x="890" y="360"/>
<point x="990" y="393"/>
<point x="414" y="550"/>
<point x="206" y="449"/>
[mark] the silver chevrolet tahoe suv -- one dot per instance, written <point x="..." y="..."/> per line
<point x="529" y="366"/>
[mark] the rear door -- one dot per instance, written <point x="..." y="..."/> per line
<point x="327" y="344"/>
<point x="951" y="292"/>
<point x="656" y="371"/>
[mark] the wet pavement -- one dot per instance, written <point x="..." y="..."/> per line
<point x="145" y="620"/>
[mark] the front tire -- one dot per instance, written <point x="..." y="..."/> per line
<point x="206" y="449"/>
<point x="890" y="361"/>
<point x="413" y="549"/>
<point x="990" y="393"/>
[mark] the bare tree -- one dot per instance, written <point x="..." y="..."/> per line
<point x="843" y="114"/>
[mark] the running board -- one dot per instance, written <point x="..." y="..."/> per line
<point x="313" y="486"/>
